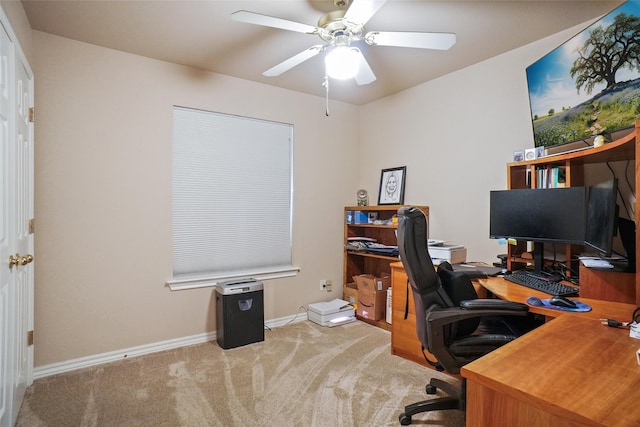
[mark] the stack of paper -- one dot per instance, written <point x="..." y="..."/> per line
<point x="596" y="263"/>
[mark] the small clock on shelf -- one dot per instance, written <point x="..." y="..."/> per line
<point x="363" y="198"/>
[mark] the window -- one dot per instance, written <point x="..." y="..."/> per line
<point x="232" y="198"/>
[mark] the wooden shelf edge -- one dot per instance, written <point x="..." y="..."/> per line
<point x="620" y="149"/>
<point x="368" y="255"/>
<point x="372" y="226"/>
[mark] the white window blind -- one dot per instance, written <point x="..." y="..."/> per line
<point x="232" y="198"/>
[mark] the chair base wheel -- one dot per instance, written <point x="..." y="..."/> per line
<point x="430" y="389"/>
<point x="405" y="419"/>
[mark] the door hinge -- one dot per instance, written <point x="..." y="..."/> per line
<point x="32" y="226"/>
<point x="32" y="115"/>
<point x="30" y="338"/>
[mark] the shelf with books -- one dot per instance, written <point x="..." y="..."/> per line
<point x="551" y="177"/>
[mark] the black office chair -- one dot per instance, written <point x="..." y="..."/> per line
<point x="452" y="323"/>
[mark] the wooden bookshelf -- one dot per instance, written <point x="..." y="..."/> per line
<point x="383" y="231"/>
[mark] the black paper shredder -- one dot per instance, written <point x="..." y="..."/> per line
<point x="239" y="314"/>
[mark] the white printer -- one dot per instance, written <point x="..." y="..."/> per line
<point x="454" y="254"/>
<point x="331" y="313"/>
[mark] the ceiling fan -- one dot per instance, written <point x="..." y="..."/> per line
<point x="340" y="29"/>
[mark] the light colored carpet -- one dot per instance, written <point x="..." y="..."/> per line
<point x="301" y="375"/>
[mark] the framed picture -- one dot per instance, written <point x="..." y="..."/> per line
<point x="392" y="186"/>
<point x="518" y="156"/>
<point x="575" y="92"/>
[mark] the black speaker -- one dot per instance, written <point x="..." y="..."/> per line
<point x="239" y="314"/>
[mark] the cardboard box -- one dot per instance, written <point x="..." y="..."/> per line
<point x="372" y="283"/>
<point x="350" y="294"/>
<point x="371" y="304"/>
<point x="372" y="296"/>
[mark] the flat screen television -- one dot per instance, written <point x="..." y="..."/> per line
<point x="602" y="216"/>
<point x="588" y="86"/>
<point x="539" y="215"/>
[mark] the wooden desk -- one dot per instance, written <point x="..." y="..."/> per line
<point x="506" y="290"/>
<point x="570" y="371"/>
<point x="607" y="285"/>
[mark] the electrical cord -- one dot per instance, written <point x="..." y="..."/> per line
<point x="301" y="307"/>
<point x="293" y="319"/>
<point x="624" y="203"/>
<point x="613" y="323"/>
<point x="558" y="269"/>
<point x="633" y="194"/>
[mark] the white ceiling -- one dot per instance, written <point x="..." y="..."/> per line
<point x="201" y="34"/>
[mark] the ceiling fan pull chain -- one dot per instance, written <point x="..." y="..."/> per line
<point x="326" y="85"/>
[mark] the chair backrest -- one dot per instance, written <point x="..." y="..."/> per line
<point x="431" y="289"/>
<point x="414" y="253"/>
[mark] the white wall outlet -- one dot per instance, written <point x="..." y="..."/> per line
<point x="323" y="285"/>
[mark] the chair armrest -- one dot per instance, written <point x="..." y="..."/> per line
<point x="498" y="304"/>
<point x="437" y="319"/>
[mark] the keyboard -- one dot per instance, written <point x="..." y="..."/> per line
<point x="547" y="286"/>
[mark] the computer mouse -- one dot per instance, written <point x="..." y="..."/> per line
<point x="561" y="301"/>
<point x="535" y="301"/>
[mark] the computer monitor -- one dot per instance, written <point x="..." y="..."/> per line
<point x="540" y="215"/>
<point x="627" y="231"/>
<point x="602" y="216"/>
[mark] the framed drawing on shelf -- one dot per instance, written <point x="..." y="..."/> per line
<point x="392" y="186"/>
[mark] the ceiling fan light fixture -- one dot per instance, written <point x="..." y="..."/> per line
<point x="342" y="62"/>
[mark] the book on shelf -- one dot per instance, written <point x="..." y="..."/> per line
<point x="551" y="177"/>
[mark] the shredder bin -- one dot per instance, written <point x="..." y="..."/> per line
<point x="239" y="314"/>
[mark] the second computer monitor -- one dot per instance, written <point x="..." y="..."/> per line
<point x="602" y="216"/>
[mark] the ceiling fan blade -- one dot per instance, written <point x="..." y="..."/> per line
<point x="293" y="61"/>
<point x="365" y="74"/>
<point x="361" y="11"/>
<point x="441" y="41"/>
<point x="270" y="21"/>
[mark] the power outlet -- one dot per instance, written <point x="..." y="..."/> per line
<point x="325" y="285"/>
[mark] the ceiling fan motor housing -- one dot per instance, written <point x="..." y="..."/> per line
<point x="333" y="25"/>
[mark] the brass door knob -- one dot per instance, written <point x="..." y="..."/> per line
<point x="19" y="260"/>
<point x="26" y="259"/>
<point x="14" y="260"/>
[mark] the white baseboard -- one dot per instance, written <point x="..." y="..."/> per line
<point x="112" y="356"/>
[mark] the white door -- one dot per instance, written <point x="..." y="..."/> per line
<point x="8" y="280"/>
<point x="23" y="210"/>
<point x="16" y="239"/>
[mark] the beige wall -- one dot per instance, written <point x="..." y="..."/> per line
<point x="103" y="196"/>
<point x="455" y="135"/>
